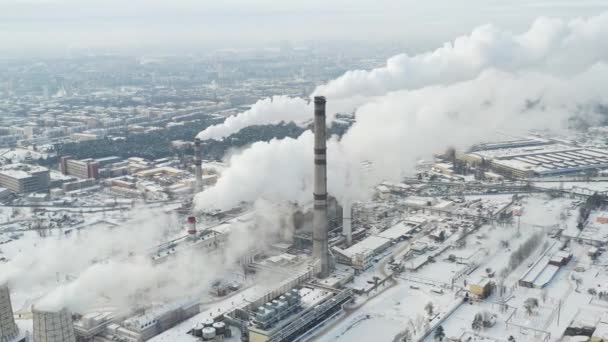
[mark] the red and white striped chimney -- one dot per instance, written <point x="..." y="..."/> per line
<point x="191" y="225"/>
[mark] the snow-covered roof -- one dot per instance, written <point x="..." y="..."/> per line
<point x="396" y="231"/>
<point x="369" y="244"/>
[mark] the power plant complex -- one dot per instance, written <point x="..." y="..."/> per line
<point x="300" y="277"/>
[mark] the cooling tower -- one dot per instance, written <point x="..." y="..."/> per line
<point x="8" y="328"/>
<point x="53" y="326"/>
<point x="319" y="233"/>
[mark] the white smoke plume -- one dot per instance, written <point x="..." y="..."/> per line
<point x="32" y="267"/>
<point x="550" y="45"/>
<point x="394" y="130"/>
<point x="125" y="281"/>
<point x="270" y="110"/>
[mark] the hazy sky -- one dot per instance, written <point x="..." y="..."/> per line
<point x="33" y="25"/>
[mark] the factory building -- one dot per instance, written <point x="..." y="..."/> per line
<point x="85" y="168"/>
<point x="156" y="320"/>
<point x="295" y="313"/>
<point x="537" y="159"/>
<point x="8" y="329"/>
<point x="53" y="326"/>
<point x="361" y="255"/>
<point x="23" y="178"/>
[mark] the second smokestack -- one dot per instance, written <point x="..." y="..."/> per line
<point x="198" y="164"/>
<point x="319" y="234"/>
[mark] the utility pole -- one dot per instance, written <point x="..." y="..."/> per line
<point x="559" y="310"/>
<point x="518" y="225"/>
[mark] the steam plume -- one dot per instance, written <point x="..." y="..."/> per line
<point x="392" y="131"/>
<point x="550" y="45"/>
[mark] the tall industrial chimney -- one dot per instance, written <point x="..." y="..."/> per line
<point x="191" y="229"/>
<point x="320" y="250"/>
<point x="198" y="163"/>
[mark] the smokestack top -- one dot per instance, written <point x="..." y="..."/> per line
<point x="320" y="99"/>
<point x="197" y="141"/>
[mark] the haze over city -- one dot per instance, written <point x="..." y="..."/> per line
<point x="303" y="171"/>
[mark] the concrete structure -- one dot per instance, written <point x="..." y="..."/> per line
<point x="8" y="328"/>
<point x="319" y="234"/>
<point x="24" y="178"/>
<point x="198" y="164"/>
<point x="53" y="326"/>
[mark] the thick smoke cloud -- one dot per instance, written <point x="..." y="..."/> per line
<point x="550" y="45"/>
<point x="394" y="130"/>
<point x="114" y="268"/>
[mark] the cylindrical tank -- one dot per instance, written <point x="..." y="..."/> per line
<point x="208" y="323"/>
<point x="208" y="334"/>
<point x="220" y="328"/>
<point x="198" y="330"/>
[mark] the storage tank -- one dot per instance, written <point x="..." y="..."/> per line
<point x="220" y="328"/>
<point x="208" y="323"/>
<point x="198" y="330"/>
<point x="53" y="326"/>
<point x="208" y="334"/>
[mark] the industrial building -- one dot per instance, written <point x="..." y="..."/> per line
<point x="535" y="158"/>
<point x="156" y="320"/>
<point x="361" y="255"/>
<point x="8" y="329"/>
<point x="53" y="326"/>
<point x="23" y="178"/>
<point x="85" y="168"/>
<point x="296" y="312"/>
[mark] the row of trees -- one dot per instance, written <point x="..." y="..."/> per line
<point x="525" y="250"/>
<point x="157" y="144"/>
<point x="593" y="202"/>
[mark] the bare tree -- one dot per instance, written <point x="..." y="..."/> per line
<point x="530" y="304"/>
<point x="477" y="323"/>
<point x="543" y="295"/>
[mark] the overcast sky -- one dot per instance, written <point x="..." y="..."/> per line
<point x="37" y="25"/>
